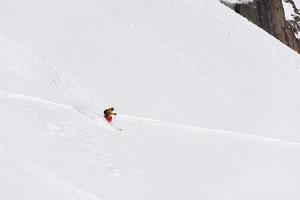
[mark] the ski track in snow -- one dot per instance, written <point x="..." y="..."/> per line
<point x="209" y="131"/>
<point x="35" y="99"/>
<point x="50" y="178"/>
<point x="93" y="118"/>
<point x="86" y="115"/>
<point x="155" y="122"/>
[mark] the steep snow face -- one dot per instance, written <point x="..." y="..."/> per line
<point x="223" y="77"/>
<point x="51" y="152"/>
<point x="209" y="103"/>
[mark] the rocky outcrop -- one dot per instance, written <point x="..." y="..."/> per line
<point x="293" y="17"/>
<point x="269" y="15"/>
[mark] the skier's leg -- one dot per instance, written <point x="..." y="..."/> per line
<point x="109" y="119"/>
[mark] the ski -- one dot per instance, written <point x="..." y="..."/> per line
<point x="116" y="128"/>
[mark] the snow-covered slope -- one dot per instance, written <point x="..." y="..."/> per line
<point x="208" y="102"/>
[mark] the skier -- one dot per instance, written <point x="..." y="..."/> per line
<point x="108" y="114"/>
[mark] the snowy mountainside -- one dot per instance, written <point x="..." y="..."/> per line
<point x="116" y="48"/>
<point x="205" y="113"/>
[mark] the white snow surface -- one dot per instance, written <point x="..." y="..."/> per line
<point x="209" y="103"/>
<point x="288" y="10"/>
<point x="237" y="1"/>
<point x="297" y="2"/>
